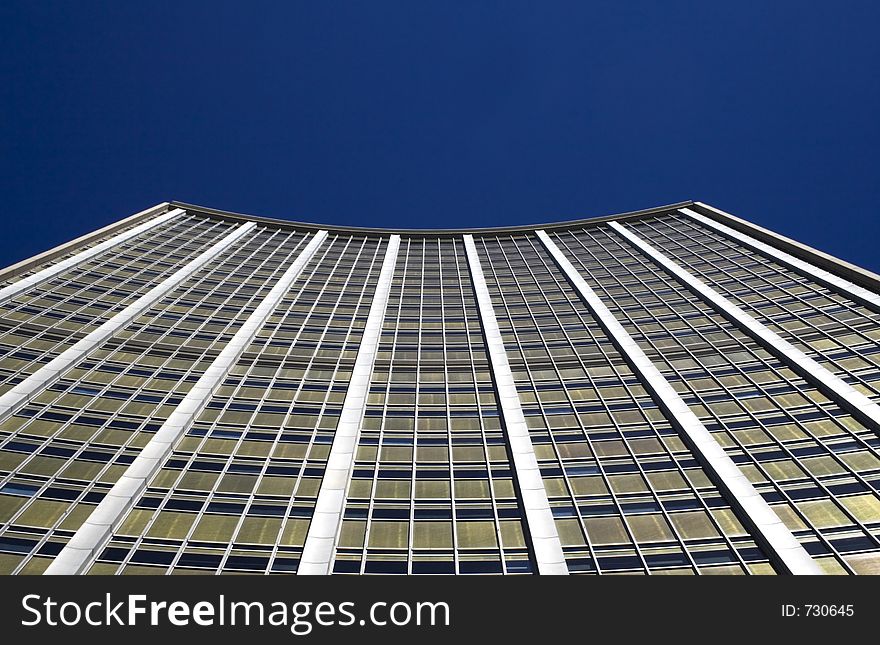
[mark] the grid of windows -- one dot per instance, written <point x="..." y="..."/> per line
<point x="238" y="491"/>
<point x="39" y="324"/>
<point x="816" y="465"/>
<point x="433" y="488"/>
<point x="626" y="493"/>
<point x="66" y="448"/>
<point x="838" y="333"/>
<point x="74" y="250"/>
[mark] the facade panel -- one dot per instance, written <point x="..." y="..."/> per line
<point x="74" y="441"/>
<point x="830" y="326"/>
<point x="627" y="493"/>
<point x="432" y="488"/>
<point x="40" y="323"/>
<point x="239" y="489"/>
<point x="43" y="262"/>
<point x="801" y="450"/>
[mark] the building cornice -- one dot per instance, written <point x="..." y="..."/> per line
<point x="857" y="275"/>
<point x="428" y="232"/>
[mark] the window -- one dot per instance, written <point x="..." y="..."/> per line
<point x="215" y="528"/>
<point x="649" y="528"/>
<point x="865" y="508"/>
<point x="476" y="534"/>
<point x="259" y="530"/>
<point x="170" y="524"/>
<point x="605" y="530"/>
<point x="389" y="535"/>
<point x="432" y="535"/>
<point x="694" y="525"/>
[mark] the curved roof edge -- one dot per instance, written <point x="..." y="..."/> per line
<point x="428" y="231"/>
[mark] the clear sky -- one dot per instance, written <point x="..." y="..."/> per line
<point x="435" y="114"/>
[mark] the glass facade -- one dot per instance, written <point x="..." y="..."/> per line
<point x="432" y="485"/>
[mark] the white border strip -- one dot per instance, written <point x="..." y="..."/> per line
<point x="774" y="533"/>
<point x="52" y="371"/>
<point x="539" y="518"/>
<point x="51" y="271"/>
<point x="855" y="401"/>
<point x="320" y="543"/>
<point x="820" y="275"/>
<point x="84" y="545"/>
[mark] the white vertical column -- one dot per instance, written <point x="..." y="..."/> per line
<point x="54" y="369"/>
<point x="320" y="544"/>
<point x="857" y="403"/>
<point x="94" y="532"/>
<point x="538" y="517"/>
<point x="820" y="275"/>
<point x="51" y="271"/>
<point x="772" y="533"/>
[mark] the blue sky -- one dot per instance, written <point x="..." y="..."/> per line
<point x="431" y="114"/>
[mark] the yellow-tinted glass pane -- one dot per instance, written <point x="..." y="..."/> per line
<point x="170" y="524"/>
<point x="866" y="508"/>
<point x="432" y="535"/>
<point x="606" y="530"/>
<point x="389" y="535"/>
<point x="476" y="534"/>
<point x="694" y="525"/>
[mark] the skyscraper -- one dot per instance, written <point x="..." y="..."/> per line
<point x="669" y="391"/>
